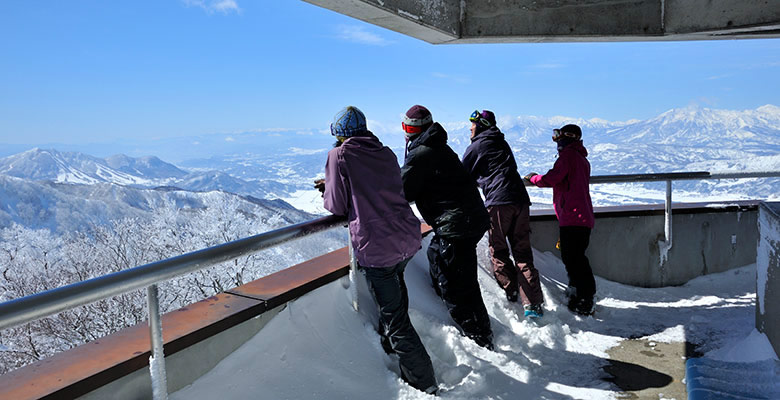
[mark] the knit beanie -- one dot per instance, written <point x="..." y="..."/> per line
<point x="348" y="122"/>
<point x="486" y="118"/>
<point x="416" y="120"/>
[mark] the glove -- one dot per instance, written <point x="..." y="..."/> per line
<point x="319" y="184"/>
<point x="529" y="176"/>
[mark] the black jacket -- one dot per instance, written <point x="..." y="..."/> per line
<point x="444" y="192"/>
<point x="489" y="160"/>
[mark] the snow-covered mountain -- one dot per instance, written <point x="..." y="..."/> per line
<point x="72" y="167"/>
<point x="282" y="166"/>
<point x="67" y="207"/>
<point x="687" y="139"/>
<point x="145" y="172"/>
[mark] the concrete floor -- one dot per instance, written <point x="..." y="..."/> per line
<point x="649" y="370"/>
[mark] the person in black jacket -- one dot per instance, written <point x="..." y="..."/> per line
<point x="489" y="160"/>
<point x="449" y="201"/>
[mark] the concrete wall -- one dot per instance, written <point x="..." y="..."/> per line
<point x="624" y="245"/>
<point x="184" y="367"/>
<point x="768" y="274"/>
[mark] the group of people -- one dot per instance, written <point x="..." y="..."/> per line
<point x="364" y="182"/>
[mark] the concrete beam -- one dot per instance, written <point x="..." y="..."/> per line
<point x="497" y="21"/>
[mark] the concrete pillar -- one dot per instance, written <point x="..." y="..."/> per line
<point x="768" y="273"/>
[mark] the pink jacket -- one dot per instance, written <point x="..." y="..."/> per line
<point x="569" y="178"/>
<point x="363" y="182"/>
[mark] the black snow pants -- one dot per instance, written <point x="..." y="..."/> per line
<point x="389" y="290"/>
<point x="453" y="269"/>
<point x="574" y="242"/>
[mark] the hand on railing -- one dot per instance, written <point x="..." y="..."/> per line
<point x="319" y="184"/>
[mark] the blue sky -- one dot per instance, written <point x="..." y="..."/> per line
<point x="99" y="71"/>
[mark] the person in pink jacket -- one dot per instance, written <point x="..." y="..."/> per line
<point x="363" y="183"/>
<point x="570" y="180"/>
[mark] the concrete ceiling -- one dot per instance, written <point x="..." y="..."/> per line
<point x="513" y="21"/>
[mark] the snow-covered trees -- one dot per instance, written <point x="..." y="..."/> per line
<point x="32" y="261"/>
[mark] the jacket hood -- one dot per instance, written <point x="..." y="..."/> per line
<point x="368" y="142"/>
<point x="434" y="136"/>
<point x="489" y="133"/>
<point x="576" y="146"/>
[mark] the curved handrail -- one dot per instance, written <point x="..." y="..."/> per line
<point x="677" y="176"/>
<point x="39" y="305"/>
<point x="29" y="308"/>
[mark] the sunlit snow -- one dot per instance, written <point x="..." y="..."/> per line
<point x="319" y="347"/>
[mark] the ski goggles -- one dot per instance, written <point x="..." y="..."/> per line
<point x="411" y="128"/>
<point x="476" y="116"/>
<point x="558" y="135"/>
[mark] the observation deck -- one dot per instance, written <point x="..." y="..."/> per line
<point x="293" y="331"/>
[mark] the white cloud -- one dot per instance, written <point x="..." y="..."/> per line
<point x="230" y="139"/>
<point x="222" y="6"/>
<point x="359" y="34"/>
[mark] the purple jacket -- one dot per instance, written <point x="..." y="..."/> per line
<point x="569" y="178"/>
<point x="490" y="162"/>
<point x="363" y="182"/>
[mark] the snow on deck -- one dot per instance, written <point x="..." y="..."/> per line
<point x="319" y="347"/>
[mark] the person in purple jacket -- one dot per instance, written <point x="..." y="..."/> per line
<point x="363" y="183"/>
<point x="490" y="162"/>
<point x="570" y="180"/>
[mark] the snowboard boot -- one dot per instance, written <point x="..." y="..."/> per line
<point x="533" y="311"/>
<point x="581" y="306"/>
<point x="433" y="390"/>
<point x="485" y="341"/>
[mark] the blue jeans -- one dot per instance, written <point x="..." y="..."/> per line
<point x="389" y="290"/>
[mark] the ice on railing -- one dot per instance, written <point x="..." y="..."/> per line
<point x="159" y="381"/>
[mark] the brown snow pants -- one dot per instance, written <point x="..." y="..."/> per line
<point x="510" y="222"/>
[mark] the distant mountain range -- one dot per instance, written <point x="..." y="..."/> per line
<point x="274" y="165"/>
<point x="144" y="172"/>
<point x="63" y="207"/>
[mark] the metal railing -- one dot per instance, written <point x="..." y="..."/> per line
<point x="33" y="307"/>
<point x="675" y="176"/>
<point x="26" y="309"/>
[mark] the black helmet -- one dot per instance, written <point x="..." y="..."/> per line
<point x="570" y="130"/>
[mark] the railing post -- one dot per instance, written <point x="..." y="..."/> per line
<point x="157" y="360"/>
<point x="668" y="214"/>
<point x="665" y="245"/>
<point x="353" y="290"/>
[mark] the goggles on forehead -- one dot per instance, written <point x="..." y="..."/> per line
<point x="476" y="116"/>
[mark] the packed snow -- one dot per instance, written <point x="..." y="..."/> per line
<point x="319" y="347"/>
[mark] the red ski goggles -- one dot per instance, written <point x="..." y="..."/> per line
<point x="411" y="129"/>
